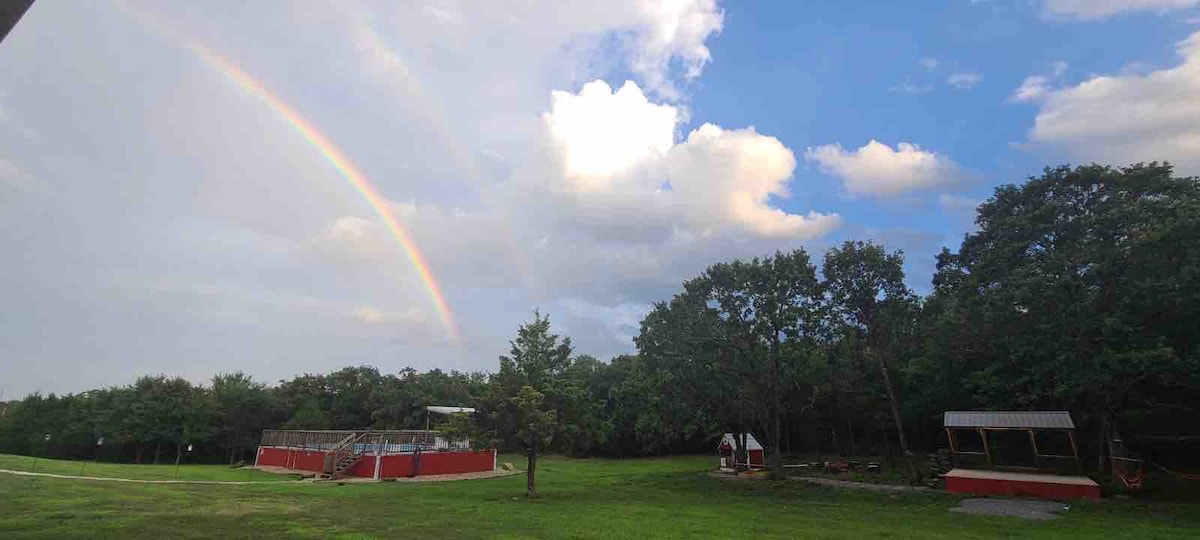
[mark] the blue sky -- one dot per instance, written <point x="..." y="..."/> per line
<point x="158" y="217"/>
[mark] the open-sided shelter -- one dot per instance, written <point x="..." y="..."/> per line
<point x="1014" y="479"/>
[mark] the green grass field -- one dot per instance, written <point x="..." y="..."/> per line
<point x="588" y="498"/>
<point x="138" y="472"/>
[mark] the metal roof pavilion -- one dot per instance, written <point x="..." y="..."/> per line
<point x="984" y="422"/>
<point x="1009" y="419"/>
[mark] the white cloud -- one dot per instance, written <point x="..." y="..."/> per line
<point x="603" y="133"/>
<point x="611" y="201"/>
<point x="964" y="81"/>
<point x="670" y="30"/>
<point x="876" y="169"/>
<point x="1123" y="119"/>
<point x="1036" y="87"/>
<point x="617" y="150"/>
<point x="1100" y="9"/>
<point x="1033" y="88"/>
<point x="928" y="63"/>
<point x="621" y="322"/>
<point x="662" y="43"/>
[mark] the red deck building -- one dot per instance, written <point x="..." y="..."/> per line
<point x="371" y="454"/>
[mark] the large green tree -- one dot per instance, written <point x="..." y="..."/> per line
<point x="1081" y="291"/>
<point x="517" y="407"/>
<point x="872" y="307"/>
<point x="739" y="335"/>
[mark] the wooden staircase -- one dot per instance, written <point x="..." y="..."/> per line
<point x="342" y="457"/>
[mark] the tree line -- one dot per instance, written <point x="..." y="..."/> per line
<point x="1079" y="290"/>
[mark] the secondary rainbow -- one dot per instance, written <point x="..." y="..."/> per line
<point x="330" y="152"/>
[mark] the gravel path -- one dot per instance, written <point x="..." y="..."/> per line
<point x="1021" y="508"/>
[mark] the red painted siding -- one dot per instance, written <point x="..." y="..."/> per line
<point x="308" y="460"/>
<point x="272" y="457"/>
<point x="364" y="468"/>
<point x="1016" y="488"/>
<point x="399" y="465"/>
<point x="438" y="463"/>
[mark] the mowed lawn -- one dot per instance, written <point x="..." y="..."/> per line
<point x="138" y="472"/>
<point x="581" y="498"/>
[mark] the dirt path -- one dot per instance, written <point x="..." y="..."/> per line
<point x="856" y="485"/>
<point x="887" y="488"/>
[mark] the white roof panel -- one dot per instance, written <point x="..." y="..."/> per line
<point x="1009" y="419"/>
<point x="439" y="409"/>
<point x="751" y="442"/>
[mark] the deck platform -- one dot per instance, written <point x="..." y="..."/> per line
<point x="1043" y="486"/>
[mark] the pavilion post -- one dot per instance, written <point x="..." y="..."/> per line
<point x="987" y="449"/>
<point x="1075" y="449"/>
<point x="953" y="446"/>
<point x="1037" y="458"/>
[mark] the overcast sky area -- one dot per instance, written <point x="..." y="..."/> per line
<point x="177" y="179"/>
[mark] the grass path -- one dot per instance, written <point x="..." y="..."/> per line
<point x="92" y="469"/>
<point x="136" y="481"/>
<point x="581" y="498"/>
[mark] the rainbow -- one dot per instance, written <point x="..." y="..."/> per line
<point x="330" y="151"/>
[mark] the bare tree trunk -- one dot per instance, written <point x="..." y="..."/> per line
<point x="776" y="411"/>
<point x="887" y="383"/>
<point x="137" y="453"/>
<point x="157" y="452"/>
<point x="178" y="452"/>
<point x="850" y="436"/>
<point x="887" y="444"/>
<point x="787" y="435"/>
<point x="530" y="473"/>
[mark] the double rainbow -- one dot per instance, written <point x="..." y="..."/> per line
<point x="330" y="151"/>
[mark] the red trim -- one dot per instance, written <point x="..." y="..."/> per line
<point x="1019" y="488"/>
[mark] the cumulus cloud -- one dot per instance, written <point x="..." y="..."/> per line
<point x="613" y="201"/>
<point x="879" y="170"/>
<point x="928" y="63"/>
<point x="617" y="150"/>
<point x="1100" y="9"/>
<point x="1129" y="118"/>
<point x="963" y="81"/>
<point x="672" y="30"/>
<point x="604" y="133"/>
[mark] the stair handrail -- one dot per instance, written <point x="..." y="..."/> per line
<point x="343" y="448"/>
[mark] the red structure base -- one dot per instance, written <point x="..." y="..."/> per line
<point x="1042" y="486"/>
<point x="392" y="466"/>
